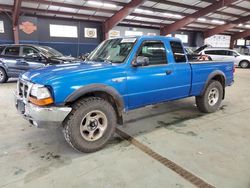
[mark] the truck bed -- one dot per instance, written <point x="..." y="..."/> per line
<point x="202" y="71"/>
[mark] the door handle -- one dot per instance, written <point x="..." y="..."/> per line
<point x="21" y="61"/>
<point x="168" y="72"/>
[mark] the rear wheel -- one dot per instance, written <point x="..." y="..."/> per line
<point x="244" y="64"/>
<point x="90" y="124"/>
<point x="211" y="99"/>
<point x="3" y="76"/>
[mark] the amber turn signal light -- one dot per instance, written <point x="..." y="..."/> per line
<point x="41" y="102"/>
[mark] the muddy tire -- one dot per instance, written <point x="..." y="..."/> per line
<point x="3" y="76"/>
<point x="90" y="124"/>
<point x="211" y="99"/>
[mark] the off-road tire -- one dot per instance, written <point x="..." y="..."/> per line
<point x="73" y="122"/>
<point x="3" y="76"/>
<point x="202" y="101"/>
<point x="244" y="64"/>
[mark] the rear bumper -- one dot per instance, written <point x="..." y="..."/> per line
<point x="41" y="116"/>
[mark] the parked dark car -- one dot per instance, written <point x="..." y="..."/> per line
<point x="17" y="59"/>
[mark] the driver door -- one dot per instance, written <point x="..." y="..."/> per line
<point x="152" y="83"/>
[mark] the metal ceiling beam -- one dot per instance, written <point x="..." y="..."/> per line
<point x="222" y="28"/>
<point x="15" y="18"/>
<point x="192" y="17"/>
<point x="16" y="11"/>
<point x="120" y="15"/>
<point x="239" y="35"/>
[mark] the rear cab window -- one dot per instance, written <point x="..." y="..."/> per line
<point x="178" y="52"/>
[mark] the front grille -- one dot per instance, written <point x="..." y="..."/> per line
<point x="23" y="88"/>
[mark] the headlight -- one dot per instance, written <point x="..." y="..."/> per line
<point x="40" y="92"/>
<point x="40" y="95"/>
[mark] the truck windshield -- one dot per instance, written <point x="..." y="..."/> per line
<point x="113" y="51"/>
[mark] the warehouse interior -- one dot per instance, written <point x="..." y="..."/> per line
<point x="168" y="144"/>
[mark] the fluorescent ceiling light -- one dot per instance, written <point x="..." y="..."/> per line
<point x="202" y="19"/>
<point x="172" y="15"/>
<point x="168" y="14"/>
<point x="240" y="25"/>
<point x="143" y="11"/>
<point x="109" y="5"/>
<point x="98" y="3"/>
<point x="95" y="3"/>
<point x="177" y="15"/>
<point x="218" y="21"/>
<point x="248" y="26"/>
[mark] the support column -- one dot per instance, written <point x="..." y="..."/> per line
<point x="16" y="34"/>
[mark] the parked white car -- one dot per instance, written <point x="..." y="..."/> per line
<point x="220" y="54"/>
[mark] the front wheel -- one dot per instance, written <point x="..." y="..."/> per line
<point x="90" y="125"/>
<point x="3" y="76"/>
<point x="211" y="99"/>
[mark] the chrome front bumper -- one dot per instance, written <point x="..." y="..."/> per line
<point x="41" y="116"/>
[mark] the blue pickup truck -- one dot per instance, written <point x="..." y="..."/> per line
<point x="89" y="98"/>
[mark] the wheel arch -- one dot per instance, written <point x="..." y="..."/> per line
<point x="99" y="90"/>
<point x="218" y="76"/>
<point x="2" y="65"/>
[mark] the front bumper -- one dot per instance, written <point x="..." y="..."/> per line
<point x="41" y="116"/>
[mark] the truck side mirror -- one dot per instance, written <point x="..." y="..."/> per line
<point x="141" y="61"/>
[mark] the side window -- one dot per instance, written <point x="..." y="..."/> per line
<point x="12" y="51"/>
<point x="211" y="52"/>
<point x="222" y="52"/>
<point x="235" y="54"/>
<point x="30" y="52"/>
<point x="230" y="53"/>
<point x="1" y="49"/>
<point x="178" y="52"/>
<point x="155" y="51"/>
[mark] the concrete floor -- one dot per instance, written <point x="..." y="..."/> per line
<point x="214" y="147"/>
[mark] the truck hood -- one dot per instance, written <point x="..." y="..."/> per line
<point x="54" y="73"/>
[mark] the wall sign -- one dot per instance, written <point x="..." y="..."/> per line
<point x="63" y="31"/>
<point x="28" y="27"/>
<point x="240" y="42"/>
<point x="1" y="27"/>
<point x="90" y="32"/>
<point x="114" y="34"/>
<point x="219" y="41"/>
<point x="151" y="34"/>
<point x="133" y="33"/>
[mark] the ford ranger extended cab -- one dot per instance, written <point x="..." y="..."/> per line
<point x="88" y="99"/>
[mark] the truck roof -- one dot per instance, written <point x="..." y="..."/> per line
<point x="157" y="37"/>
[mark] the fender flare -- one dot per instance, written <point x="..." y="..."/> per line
<point x="212" y="75"/>
<point x="97" y="88"/>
